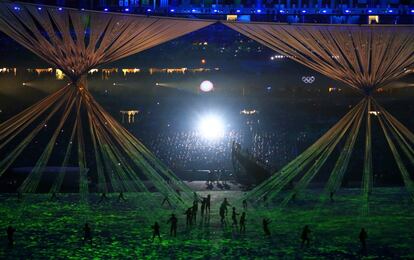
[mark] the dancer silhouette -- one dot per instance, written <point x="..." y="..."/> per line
<point x="243" y="222"/>
<point x="173" y="229"/>
<point x="234" y="215"/>
<point x="121" y="196"/>
<point x="103" y="197"/>
<point x="156" y="231"/>
<point x="265" y="224"/>
<point x="245" y="204"/>
<point x="87" y="233"/>
<point x="363" y="235"/>
<point x="305" y="236"/>
<point x="10" y="235"/>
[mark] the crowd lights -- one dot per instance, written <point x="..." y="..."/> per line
<point x="249" y="112"/>
<point x="277" y="57"/>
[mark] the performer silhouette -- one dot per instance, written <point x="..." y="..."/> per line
<point x="173" y="229"/>
<point x="305" y="236"/>
<point x="10" y="235"/>
<point x="243" y="222"/>
<point x="265" y="224"/>
<point x="87" y="233"/>
<point x="156" y="231"/>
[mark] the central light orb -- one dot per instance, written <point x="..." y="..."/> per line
<point x="206" y="86"/>
<point x="211" y="127"/>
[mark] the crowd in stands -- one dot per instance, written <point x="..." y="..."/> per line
<point x="188" y="150"/>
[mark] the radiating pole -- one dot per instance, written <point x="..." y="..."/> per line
<point x="338" y="172"/>
<point x="367" y="171"/>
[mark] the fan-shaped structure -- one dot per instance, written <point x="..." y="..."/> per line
<point x="366" y="57"/>
<point x="77" y="41"/>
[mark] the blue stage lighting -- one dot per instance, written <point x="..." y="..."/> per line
<point x="412" y="11"/>
<point x="370" y="11"/>
<point x="215" y="10"/>
<point x="303" y="11"/>
<point x="324" y="11"/>
<point x="347" y="11"/>
<point x="237" y="11"/>
<point x="172" y="10"/>
<point x="193" y="10"/>
<point x="389" y="11"/>
<point x="258" y="11"/>
<point x="16" y="8"/>
<point x="60" y="8"/>
<point x="282" y="11"/>
<point x="39" y="8"/>
<point x="126" y="9"/>
<point x="149" y="10"/>
<point x="106" y="9"/>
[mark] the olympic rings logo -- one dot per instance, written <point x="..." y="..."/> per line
<point x="308" y="79"/>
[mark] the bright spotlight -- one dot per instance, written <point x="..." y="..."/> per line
<point x="211" y="127"/>
<point x="206" y="86"/>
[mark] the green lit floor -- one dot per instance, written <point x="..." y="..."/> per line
<point x="122" y="230"/>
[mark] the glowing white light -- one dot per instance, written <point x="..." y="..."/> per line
<point x="206" y="86"/>
<point x="211" y="127"/>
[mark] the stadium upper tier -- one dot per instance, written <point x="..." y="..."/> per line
<point x="291" y="11"/>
